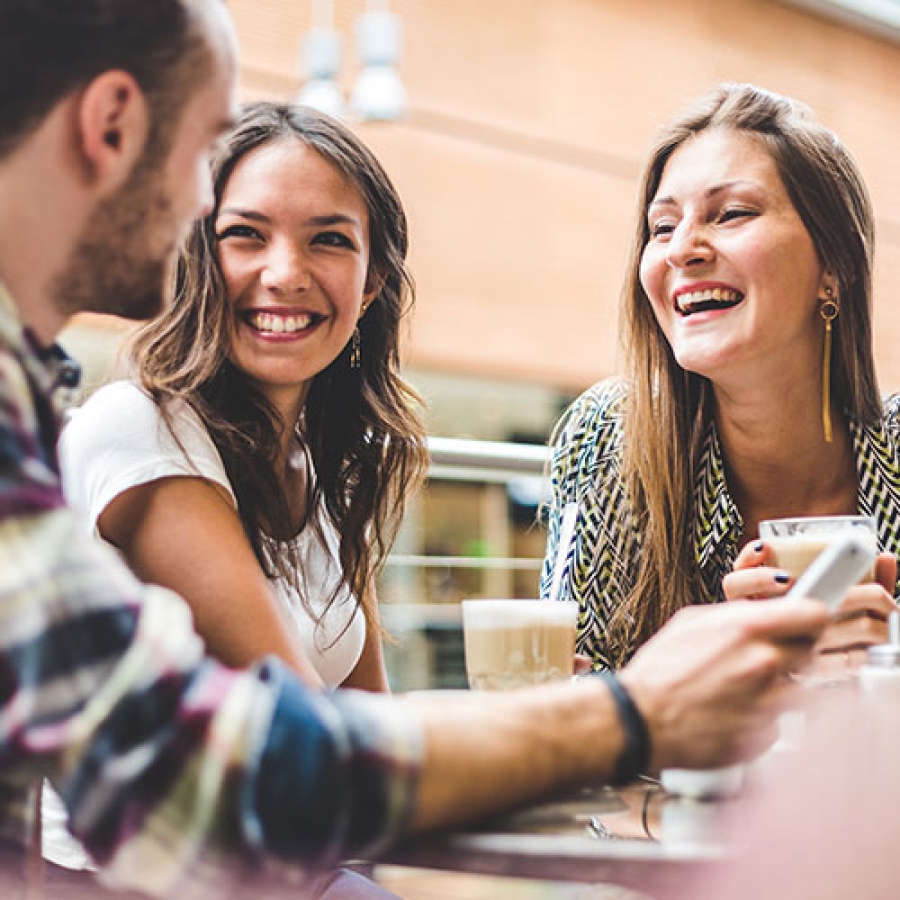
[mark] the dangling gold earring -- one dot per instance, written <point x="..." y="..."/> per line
<point x="829" y="311"/>
<point x="355" y="355"/>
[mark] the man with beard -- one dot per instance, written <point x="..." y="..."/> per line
<point x="178" y="773"/>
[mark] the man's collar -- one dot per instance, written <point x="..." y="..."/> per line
<point x="63" y="371"/>
<point x="10" y="325"/>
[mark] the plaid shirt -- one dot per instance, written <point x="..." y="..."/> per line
<point x="178" y="773"/>
<point x="587" y="469"/>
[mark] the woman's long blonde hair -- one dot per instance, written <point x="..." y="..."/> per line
<point x="669" y="410"/>
<point x="360" y="428"/>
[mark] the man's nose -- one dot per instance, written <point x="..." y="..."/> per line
<point x="205" y="195"/>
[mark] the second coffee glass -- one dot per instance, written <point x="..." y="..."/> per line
<point x="797" y="542"/>
<point x="513" y="643"/>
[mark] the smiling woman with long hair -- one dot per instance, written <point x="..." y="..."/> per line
<point x="259" y="460"/>
<point x="750" y="390"/>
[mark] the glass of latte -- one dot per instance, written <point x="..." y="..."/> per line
<point x="512" y="643"/>
<point x="797" y="542"/>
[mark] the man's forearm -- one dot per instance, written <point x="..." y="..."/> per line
<point x="161" y="754"/>
<point x="486" y="751"/>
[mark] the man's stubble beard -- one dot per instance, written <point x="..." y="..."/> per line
<point x="115" y="268"/>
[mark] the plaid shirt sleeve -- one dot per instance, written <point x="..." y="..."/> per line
<point x="177" y="772"/>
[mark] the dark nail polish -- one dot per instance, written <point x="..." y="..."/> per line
<point x="758" y="547"/>
<point x="782" y="577"/>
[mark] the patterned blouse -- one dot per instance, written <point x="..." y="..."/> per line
<point x="587" y="469"/>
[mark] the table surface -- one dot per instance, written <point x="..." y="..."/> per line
<point x="637" y="837"/>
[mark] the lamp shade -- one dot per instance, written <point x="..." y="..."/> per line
<point x="379" y="95"/>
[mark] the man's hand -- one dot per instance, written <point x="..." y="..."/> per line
<point x="713" y="681"/>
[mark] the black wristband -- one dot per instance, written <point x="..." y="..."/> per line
<point x="635" y="756"/>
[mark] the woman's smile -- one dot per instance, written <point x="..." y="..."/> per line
<point x="695" y="299"/>
<point x="280" y="324"/>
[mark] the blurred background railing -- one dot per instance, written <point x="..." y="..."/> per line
<point x="474" y="531"/>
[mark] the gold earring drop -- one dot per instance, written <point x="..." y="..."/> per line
<point x="829" y="310"/>
<point x="355" y="355"/>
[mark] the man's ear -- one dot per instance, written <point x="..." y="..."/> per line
<point x="113" y="122"/>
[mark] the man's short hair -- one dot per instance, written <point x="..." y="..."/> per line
<point x="50" y="48"/>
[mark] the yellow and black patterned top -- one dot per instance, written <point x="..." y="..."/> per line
<point x="586" y="469"/>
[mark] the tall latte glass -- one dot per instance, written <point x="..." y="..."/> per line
<point x="512" y="643"/>
<point x="797" y="542"/>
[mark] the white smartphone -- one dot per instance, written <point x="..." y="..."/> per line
<point x="835" y="570"/>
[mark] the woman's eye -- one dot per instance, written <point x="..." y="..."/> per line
<point x="728" y="215"/>
<point x="238" y="231"/>
<point x="333" y="239"/>
<point x="661" y="229"/>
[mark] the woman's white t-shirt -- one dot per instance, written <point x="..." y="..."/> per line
<point x="119" y="440"/>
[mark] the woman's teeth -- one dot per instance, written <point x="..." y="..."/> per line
<point x="269" y="323"/>
<point x="711" y="298"/>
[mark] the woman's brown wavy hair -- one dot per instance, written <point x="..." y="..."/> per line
<point x="668" y="409"/>
<point x="360" y="428"/>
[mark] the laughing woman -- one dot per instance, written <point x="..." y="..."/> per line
<point x="259" y="462"/>
<point x="750" y="390"/>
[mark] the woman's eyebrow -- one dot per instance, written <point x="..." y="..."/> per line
<point x="243" y="213"/>
<point x="333" y="219"/>
<point x="710" y="192"/>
